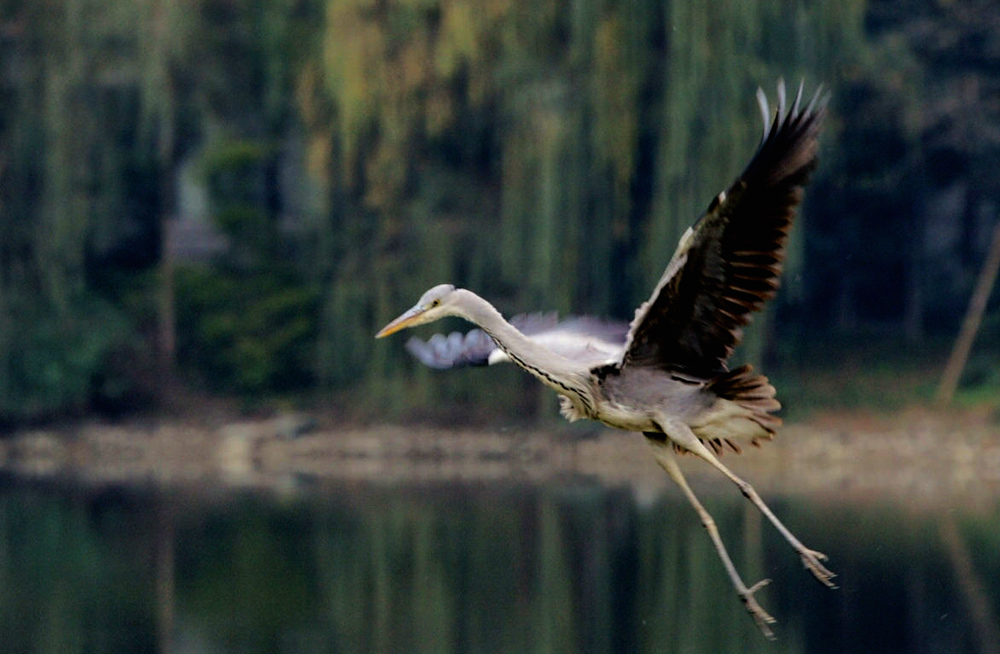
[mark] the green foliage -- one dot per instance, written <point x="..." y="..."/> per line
<point x="55" y="362"/>
<point x="546" y="155"/>
<point x="247" y="333"/>
<point x="247" y="226"/>
<point x="232" y="169"/>
<point x="235" y="176"/>
<point x="247" y="323"/>
<point x="606" y="130"/>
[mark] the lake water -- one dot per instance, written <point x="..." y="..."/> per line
<point x="560" y="566"/>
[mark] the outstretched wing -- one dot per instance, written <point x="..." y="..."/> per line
<point x="585" y="339"/>
<point x="727" y="265"/>
<point x="456" y="350"/>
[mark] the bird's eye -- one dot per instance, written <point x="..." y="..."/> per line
<point x="436" y="303"/>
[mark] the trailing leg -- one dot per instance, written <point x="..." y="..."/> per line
<point x="810" y="558"/>
<point x="665" y="456"/>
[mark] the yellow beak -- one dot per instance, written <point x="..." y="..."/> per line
<point x="408" y="319"/>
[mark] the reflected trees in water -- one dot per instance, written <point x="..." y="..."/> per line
<point x="566" y="568"/>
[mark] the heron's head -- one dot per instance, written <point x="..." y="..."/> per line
<point x="433" y="305"/>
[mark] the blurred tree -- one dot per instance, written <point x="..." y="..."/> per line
<point x="247" y="321"/>
<point x="546" y="154"/>
<point x="605" y="128"/>
<point x="75" y="214"/>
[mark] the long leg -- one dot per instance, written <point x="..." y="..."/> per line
<point x="664" y="453"/>
<point x="810" y="558"/>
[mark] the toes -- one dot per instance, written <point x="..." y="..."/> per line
<point x="819" y="555"/>
<point x="764" y="629"/>
<point x="818" y="570"/>
<point x="759" y="615"/>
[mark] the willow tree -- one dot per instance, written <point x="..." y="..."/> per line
<point x="548" y="154"/>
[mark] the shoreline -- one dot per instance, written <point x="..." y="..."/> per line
<point x="917" y="457"/>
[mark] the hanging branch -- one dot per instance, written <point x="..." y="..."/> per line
<point x="973" y="319"/>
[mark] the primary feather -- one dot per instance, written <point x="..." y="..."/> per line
<point x="728" y="264"/>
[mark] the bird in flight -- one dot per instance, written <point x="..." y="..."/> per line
<point x="669" y="378"/>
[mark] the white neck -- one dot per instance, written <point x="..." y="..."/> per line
<point x="556" y="371"/>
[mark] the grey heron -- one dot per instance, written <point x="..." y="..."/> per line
<point x="670" y="379"/>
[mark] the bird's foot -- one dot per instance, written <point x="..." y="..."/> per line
<point x="759" y="615"/>
<point x="811" y="560"/>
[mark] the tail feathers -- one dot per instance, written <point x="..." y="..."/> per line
<point x="745" y="414"/>
<point x="752" y="392"/>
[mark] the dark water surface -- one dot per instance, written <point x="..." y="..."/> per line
<point x="562" y="567"/>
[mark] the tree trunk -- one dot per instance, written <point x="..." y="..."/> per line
<point x="167" y="322"/>
<point x="973" y="318"/>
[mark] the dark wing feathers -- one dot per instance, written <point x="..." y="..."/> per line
<point x="729" y="263"/>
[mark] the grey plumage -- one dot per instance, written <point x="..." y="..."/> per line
<point x="670" y="379"/>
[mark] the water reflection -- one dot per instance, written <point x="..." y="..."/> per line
<point x="572" y="567"/>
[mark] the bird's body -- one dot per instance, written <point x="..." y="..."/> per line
<point x="640" y="400"/>
<point x="669" y="378"/>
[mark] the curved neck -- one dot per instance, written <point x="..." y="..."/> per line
<point x="553" y="370"/>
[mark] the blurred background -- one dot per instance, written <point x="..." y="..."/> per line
<point x="209" y="207"/>
<point x="231" y="197"/>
